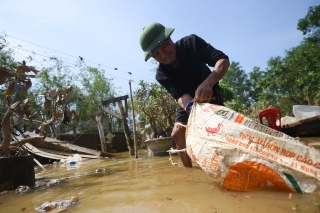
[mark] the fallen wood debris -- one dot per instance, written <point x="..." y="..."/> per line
<point x="57" y="150"/>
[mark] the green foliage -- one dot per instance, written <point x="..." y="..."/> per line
<point x="226" y="93"/>
<point x="311" y="22"/>
<point x="154" y="104"/>
<point x="287" y="81"/>
<point x="95" y="88"/>
<point x="6" y="60"/>
<point x="268" y="84"/>
<point x="90" y="88"/>
<point x="236" y="80"/>
<point x="252" y="83"/>
<point x="6" y="54"/>
<point x="293" y="80"/>
<point x="110" y="137"/>
<point x="53" y="74"/>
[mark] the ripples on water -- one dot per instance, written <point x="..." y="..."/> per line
<point x="149" y="184"/>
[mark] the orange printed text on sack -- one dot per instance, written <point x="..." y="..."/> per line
<point x="214" y="162"/>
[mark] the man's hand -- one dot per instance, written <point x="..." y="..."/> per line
<point x="203" y="93"/>
<point x="184" y="100"/>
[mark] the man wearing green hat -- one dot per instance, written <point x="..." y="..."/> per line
<point x="183" y="71"/>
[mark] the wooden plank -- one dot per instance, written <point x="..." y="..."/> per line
<point x="303" y="121"/>
<point x="47" y="139"/>
<point x="112" y="113"/>
<point x="36" y="151"/>
<point x="52" y="154"/>
<point x="303" y="128"/>
<point x="113" y="100"/>
<point x="63" y="146"/>
<point x="49" y="145"/>
<point x="126" y="129"/>
<point x="67" y="154"/>
<point x="80" y="149"/>
<point x="101" y="133"/>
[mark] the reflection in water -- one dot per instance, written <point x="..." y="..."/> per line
<point x="149" y="184"/>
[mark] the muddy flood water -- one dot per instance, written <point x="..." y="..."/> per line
<point x="149" y="184"/>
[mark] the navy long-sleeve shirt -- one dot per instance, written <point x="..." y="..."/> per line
<point x="194" y="54"/>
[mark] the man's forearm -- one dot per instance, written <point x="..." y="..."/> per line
<point x="218" y="72"/>
<point x="204" y="91"/>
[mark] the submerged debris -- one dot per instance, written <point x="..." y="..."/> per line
<point x="100" y="170"/>
<point x="42" y="183"/>
<point x="22" y="189"/>
<point x="54" y="182"/>
<point x="39" y="178"/>
<point x="57" y="205"/>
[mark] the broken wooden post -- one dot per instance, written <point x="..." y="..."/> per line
<point x="134" y="124"/>
<point x="122" y="117"/>
<point x="53" y="130"/>
<point x="99" y="119"/>
<point x="126" y="128"/>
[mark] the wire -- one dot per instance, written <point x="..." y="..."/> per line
<point x="63" y="61"/>
<point x="81" y="58"/>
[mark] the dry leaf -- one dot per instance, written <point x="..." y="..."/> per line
<point x="10" y="90"/>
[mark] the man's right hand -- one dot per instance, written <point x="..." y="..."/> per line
<point x="203" y="93"/>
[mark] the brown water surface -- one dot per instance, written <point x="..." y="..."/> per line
<point x="151" y="184"/>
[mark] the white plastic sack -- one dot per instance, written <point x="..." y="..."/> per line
<point x="241" y="154"/>
<point x="73" y="159"/>
<point x="287" y="120"/>
<point x="305" y="111"/>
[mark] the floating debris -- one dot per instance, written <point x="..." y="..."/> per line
<point x="42" y="183"/>
<point x="57" y="205"/>
<point x="54" y="182"/>
<point x="39" y="178"/>
<point x="100" y="170"/>
<point x="22" y="189"/>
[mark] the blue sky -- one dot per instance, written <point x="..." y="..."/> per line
<point x="107" y="32"/>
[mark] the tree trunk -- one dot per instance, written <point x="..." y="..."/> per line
<point x="6" y="133"/>
<point x="154" y="128"/>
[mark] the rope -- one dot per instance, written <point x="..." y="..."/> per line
<point x="174" y="151"/>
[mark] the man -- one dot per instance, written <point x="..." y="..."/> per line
<point x="183" y="71"/>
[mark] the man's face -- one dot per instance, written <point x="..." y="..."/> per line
<point x="167" y="52"/>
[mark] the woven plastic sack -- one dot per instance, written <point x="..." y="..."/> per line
<point x="241" y="154"/>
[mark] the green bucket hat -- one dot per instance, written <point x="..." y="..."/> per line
<point x="151" y="35"/>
